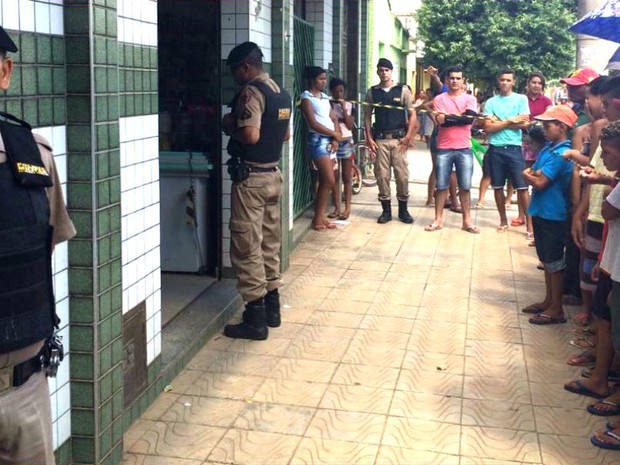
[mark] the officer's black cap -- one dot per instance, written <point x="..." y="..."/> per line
<point x="241" y="52"/>
<point x="6" y="43"/>
<point x="385" y="63"/>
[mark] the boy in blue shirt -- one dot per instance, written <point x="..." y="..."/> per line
<point x="550" y="178"/>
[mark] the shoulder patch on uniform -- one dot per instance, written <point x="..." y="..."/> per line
<point x="284" y="113"/>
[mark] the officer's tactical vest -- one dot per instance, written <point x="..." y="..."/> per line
<point x="389" y="119"/>
<point x="273" y="127"/>
<point x="27" y="313"/>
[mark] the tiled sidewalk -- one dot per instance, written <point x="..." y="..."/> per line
<point x="398" y="346"/>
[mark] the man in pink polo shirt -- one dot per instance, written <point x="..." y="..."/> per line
<point x="456" y="110"/>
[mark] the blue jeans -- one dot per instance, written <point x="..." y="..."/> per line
<point x="506" y="162"/>
<point x="462" y="160"/>
<point x="317" y="145"/>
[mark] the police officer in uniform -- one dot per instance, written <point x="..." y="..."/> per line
<point x="258" y="125"/>
<point x="33" y="218"/>
<point x="389" y="137"/>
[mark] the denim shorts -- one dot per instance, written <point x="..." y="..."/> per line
<point x="506" y="162"/>
<point x="317" y="145"/>
<point x="462" y="160"/>
<point x="345" y="149"/>
<point x="550" y="242"/>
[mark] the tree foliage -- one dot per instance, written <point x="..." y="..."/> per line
<point x="487" y="35"/>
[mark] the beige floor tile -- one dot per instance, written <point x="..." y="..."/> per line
<point x="356" y="295"/>
<point x="434" y="361"/>
<point x="344" y="306"/>
<point x="272" y="418"/>
<point x="486" y="461"/>
<point x="567" y="421"/>
<point x="500" y="444"/>
<point x="254" y="447"/>
<point x="310" y="333"/>
<point x="486" y="332"/>
<point x="204" y="358"/>
<point x="366" y="375"/>
<point x="358" y="284"/>
<point x="339" y="425"/>
<point x="321" y="348"/>
<point x="273" y="346"/>
<point x="182" y="440"/>
<point x="361" y="354"/>
<point x="554" y="395"/>
<point x="389" y="455"/>
<point x="431" y="382"/>
<point x="244" y="363"/>
<point x="136" y="431"/>
<point x="498" y="414"/>
<point x="493" y="349"/>
<point x="570" y="451"/>
<point x="501" y="389"/>
<point x="304" y="370"/>
<point x="393" y="310"/>
<point x="426" y="406"/>
<point x="400" y="298"/>
<point x="209" y="411"/>
<point x="287" y="330"/>
<point x="335" y="319"/>
<point x="386" y="323"/>
<point x="495" y="368"/>
<point x="422" y="435"/>
<point x="371" y="267"/>
<point x="357" y="399"/>
<point x="323" y="451"/>
<point x="223" y="385"/>
<point x="318" y="281"/>
<point x="290" y="392"/>
<point x="446" y="314"/>
<point x="139" y="459"/>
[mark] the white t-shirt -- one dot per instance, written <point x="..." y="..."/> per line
<point x="611" y="255"/>
<point x="321" y="107"/>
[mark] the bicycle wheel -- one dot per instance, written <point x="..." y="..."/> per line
<point x="366" y="164"/>
<point x="356" y="179"/>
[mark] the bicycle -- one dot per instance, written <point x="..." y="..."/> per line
<point x="364" y="161"/>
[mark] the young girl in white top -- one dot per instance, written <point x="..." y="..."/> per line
<point x="322" y="141"/>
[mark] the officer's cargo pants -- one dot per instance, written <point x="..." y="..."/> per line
<point x="390" y="155"/>
<point x="255" y="232"/>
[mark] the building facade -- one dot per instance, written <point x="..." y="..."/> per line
<point x="130" y="93"/>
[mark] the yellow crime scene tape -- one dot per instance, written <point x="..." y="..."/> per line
<point x="403" y="108"/>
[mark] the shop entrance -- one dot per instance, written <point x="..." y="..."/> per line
<point x="190" y="148"/>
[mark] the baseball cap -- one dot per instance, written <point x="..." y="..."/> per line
<point x="562" y="113"/>
<point x="6" y="43"/>
<point x="385" y="63"/>
<point x="580" y="77"/>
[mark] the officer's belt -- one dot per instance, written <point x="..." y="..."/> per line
<point x="391" y="134"/>
<point x="15" y="376"/>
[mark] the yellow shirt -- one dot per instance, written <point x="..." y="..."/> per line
<point x="596" y="190"/>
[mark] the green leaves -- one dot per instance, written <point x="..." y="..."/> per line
<point x="487" y="35"/>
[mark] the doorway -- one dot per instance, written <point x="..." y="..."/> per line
<point x="190" y="150"/>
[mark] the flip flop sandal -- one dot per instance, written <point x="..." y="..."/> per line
<point x="615" y="410"/>
<point x="479" y="206"/>
<point x="612" y="425"/>
<point x="582" y="343"/>
<point x="456" y="209"/>
<point x="432" y="227"/>
<point x="502" y="228"/>
<point x="583" y="390"/>
<point x="517" y="222"/>
<point x="471" y="229"/>
<point x="584" y="359"/>
<point x="543" y="320"/>
<point x="333" y="215"/>
<point x="582" y="331"/>
<point x="532" y="309"/>
<point x="342" y="216"/>
<point x="605" y="445"/>
<point x="612" y="376"/>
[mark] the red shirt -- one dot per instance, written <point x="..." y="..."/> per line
<point x="538" y="105"/>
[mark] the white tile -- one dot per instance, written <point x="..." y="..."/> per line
<point x="61" y="167"/>
<point x="55" y="435"/>
<point x="61" y="284"/>
<point x="42" y="18"/>
<point x="150" y="351"/>
<point x="157" y="348"/>
<point x="54" y="404"/>
<point x="227" y="7"/>
<point x="150" y="329"/>
<point x="56" y="20"/>
<point x="157" y="322"/>
<point x="64" y="428"/>
<point x="62" y="310"/>
<point x="64" y="399"/>
<point x="26" y="15"/>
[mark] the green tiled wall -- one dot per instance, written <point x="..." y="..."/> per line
<point x="137" y="80"/>
<point x="93" y="196"/>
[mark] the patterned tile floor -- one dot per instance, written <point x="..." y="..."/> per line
<point x="398" y="346"/>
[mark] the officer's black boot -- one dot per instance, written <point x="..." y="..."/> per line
<point x="403" y="214"/>
<point x="272" y="308"/>
<point x="254" y="324"/>
<point x="386" y="215"/>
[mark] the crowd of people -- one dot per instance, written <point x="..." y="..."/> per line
<point x="560" y="159"/>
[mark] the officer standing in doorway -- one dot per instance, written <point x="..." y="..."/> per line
<point x="33" y="218"/>
<point x="258" y="125"/>
<point x="390" y="137"/>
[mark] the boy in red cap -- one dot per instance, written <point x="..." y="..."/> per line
<point x="550" y="178"/>
<point x="576" y="86"/>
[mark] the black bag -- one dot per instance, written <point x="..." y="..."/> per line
<point x="23" y="153"/>
<point x="237" y="169"/>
